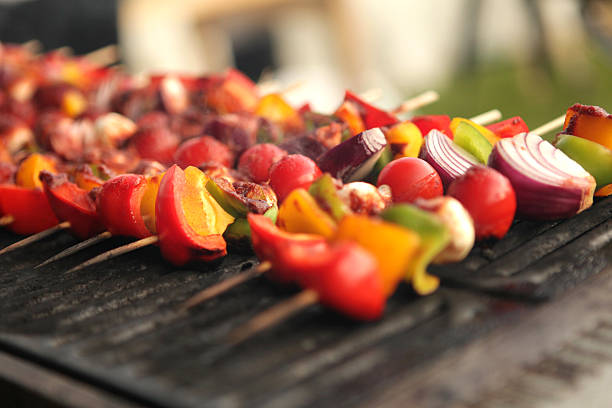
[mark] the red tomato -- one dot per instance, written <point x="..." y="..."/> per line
<point x="256" y="161"/>
<point x="489" y="198"/>
<point x="291" y="172"/>
<point x="203" y="149"/>
<point x="411" y="178"/>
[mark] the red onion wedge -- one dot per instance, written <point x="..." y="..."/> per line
<point x="445" y="156"/>
<point x="548" y="184"/>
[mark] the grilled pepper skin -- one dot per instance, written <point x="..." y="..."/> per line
<point x="178" y="240"/>
<point x="119" y="204"/>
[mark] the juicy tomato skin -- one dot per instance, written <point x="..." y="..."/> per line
<point x="256" y="161"/>
<point x="489" y="198"/>
<point x="203" y="149"/>
<point x="291" y="172"/>
<point x="411" y="178"/>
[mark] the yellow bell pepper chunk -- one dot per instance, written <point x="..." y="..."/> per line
<point x="489" y="135"/>
<point x="405" y="139"/>
<point x="202" y="212"/>
<point x="74" y="103"/>
<point x="274" y="108"/>
<point x="30" y="168"/>
<point x="147" y="204"/>
<point x="392" y="246"/>
<point x="300" y="213"/>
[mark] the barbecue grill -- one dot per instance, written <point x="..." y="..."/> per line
<point x="519" y="322"/>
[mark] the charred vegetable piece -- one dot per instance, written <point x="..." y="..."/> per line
<point x="241" y="197"/>
<point x="405" y="139"/>
<point x="434" y="237"/>
<point x="589" y="122"/>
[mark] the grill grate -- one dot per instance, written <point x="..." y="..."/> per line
<point x="115" y="325"/>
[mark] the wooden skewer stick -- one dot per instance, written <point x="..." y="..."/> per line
<point x="554" y="124"/>
<point x="113" y="253"/>
<point x="273" y="316"/>
<point x="225" y="285"/>
<point x="104" y="56"/>
<point x="76" y="248"/>
<point x="6" y="220"/>
<point x="36" y="237"/>
<point x="487" y="117"/>
<point x="426" y="98"/>
<point x="33" y="46"/>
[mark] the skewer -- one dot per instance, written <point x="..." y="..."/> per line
<point x="6" y="220"/>
<point x="75" y="248"/>
<point x="105" y="256"/>
<point x="556" y="123"/>
<point x="36" y="237"/>
<point x="225" y="285"/>
<point x="273" y="316"/>
<point x="423" y="99"/>
<point x="104" y="56"/>
<point x="487" y="117"/>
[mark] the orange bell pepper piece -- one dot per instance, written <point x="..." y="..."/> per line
<point x="300" y="213"/>
<point x="393" y="246"/>
<point x="30" y="168"/>
<point x="350" y="115"/>
<point x="590" y="122"/>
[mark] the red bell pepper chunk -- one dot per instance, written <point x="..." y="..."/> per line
<point x="29" y="208"/>
<point x="284" y="250"/>
<point x="348" y="280"/>
<point x="426" y="123"/>
<point x="372" y="116"/>
<point x="119" y="205"/>
<point x="509" y="127"/>
<point x="71" y="203"/>
<point x="345" y="276"/>
<point x="179" y="242"/>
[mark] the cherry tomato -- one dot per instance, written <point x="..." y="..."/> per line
<point x="489" y="198"/>
<point x="256" y="161"/>
<point x="291" y="172"/>
<point x="411" y="178"/>
<point x="203" y="149"/>
<point x="156" y="144"/>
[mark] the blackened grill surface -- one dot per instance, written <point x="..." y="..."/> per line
<point x="115" y="325"/>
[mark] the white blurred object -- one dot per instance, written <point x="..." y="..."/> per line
<point x="407" y="45"/>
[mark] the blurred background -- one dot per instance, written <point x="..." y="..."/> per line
<point x="528" y="58"/>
